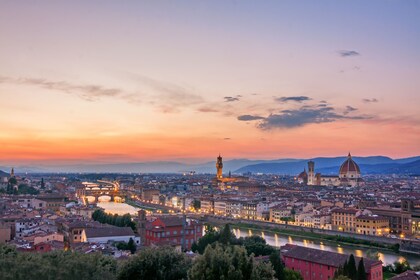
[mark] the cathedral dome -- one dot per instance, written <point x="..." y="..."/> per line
<point x="349" y="166"/>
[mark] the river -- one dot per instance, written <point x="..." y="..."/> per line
<point x="277" y="240"/>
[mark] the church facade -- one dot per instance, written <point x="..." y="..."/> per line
<point x="349" y="175"/>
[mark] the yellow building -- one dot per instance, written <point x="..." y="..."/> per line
<point x="344" y="219"/>
<point x="372" y="225"/>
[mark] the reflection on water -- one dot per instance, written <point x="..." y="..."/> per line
<point x="278" y="240"/>
<point x="118" y="208"/>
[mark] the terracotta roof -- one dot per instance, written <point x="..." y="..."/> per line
<point x="108" y="232"/>
<point x="345" y="210"/>
<point x="408" y="275"/>
<point x="322" y="257"/>
<point x="349" y="166"/>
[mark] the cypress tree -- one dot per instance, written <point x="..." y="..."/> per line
<point x="361" y="272"/>
<point x="352" y="270"/>
<point x="345" y="270"/>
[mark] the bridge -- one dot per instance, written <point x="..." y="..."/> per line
<point x="96" y="190"/>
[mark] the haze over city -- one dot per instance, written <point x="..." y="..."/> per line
<point x="112" y="82"/>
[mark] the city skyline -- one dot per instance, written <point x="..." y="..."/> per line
<point x="171" y="81"/>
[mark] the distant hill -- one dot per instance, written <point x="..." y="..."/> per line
<point x="4" y="174"/>
<point x="328" y="166"/>
<point x="289" y="166"/>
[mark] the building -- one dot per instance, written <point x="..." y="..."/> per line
<point x="315" y="264"/>
<point x="219" y="167"/>
<point x="173" y="231"/>
<point x="408" y="275"/>
<point x="207" y="205"/>
<point x="372" y="225"/>
<point x="220" y="207"/>
<point x="349" y="172"/>
<point x="279" y="213"/>
<point x="233" y="208"/>
<point x="147" y="194"/>
<point x="107" y="234"/>
<point x="249" y="210"/>
<point x="404" y="220"/>
<point x="348" y="175"/>
<point x="344" y="219"/>
<point x="5" y="232"/>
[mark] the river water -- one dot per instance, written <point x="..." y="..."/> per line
<point x="277" y="240"/>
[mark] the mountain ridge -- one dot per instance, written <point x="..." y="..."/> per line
<point x="289" y="166"/>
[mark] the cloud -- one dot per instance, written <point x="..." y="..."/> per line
<point x="164" y="95"/>
<point x="207" y="110"/>
<point x="348" y="53"/>
<point x="250" y="118"/>
<point x="349" y="109"/>
<point x="226" y="138"/>
<point x="302" y="116"/>
<point x="370" y="100"/>
<point x="298" y="99"/>
<point x="89" y="92"/>
<point x="232" y="99"/>
<point x="168" y="96"/>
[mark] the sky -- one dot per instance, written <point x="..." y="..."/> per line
<point x="126" y="81"/>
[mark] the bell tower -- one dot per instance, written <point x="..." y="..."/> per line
<point x="219" y="167"/>
<point x="311" y="173"/>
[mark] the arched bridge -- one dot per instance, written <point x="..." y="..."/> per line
<point x="96" y="190"/>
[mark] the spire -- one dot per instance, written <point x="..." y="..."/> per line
<point x="349" y="155"/>
<point x="12" y="173"/>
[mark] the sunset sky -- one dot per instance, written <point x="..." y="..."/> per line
<point x="124" y="81"/>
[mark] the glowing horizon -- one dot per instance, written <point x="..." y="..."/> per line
<point x="108" y="82"/>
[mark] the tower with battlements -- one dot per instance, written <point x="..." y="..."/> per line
<point x="219" y="167"/>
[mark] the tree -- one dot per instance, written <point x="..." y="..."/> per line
<point x="292" y="275"/>
<point x="226" y="235"/>
<point x="361" y="272"/>
<point x="228" y="262"/>
<point x="131" y="246"/>
<point x="262" y="271"/>
<point x="255" y="245"/>
<point x="341" y="277"/>
<point x="58" y="265"/>
<point x="196" y="204"/>
<point x="352" y="271"/>
<point x="160" y="263"/>
<point x="400" y="267"/>
<point x="277" y="265"/>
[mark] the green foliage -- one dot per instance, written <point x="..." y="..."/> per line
<point x="161" y="263"/>
<point x="352" y="270"/>
<point x="292" y="275"/>
<point x="361" y="272"/>
<point x="256" y="245"/>
<point x="116" y="220"/>
<point x="211" y="236"/>
<point x="277" y="264"/>
<point x="253" y="244"/>
<point x="196" y="204"/>
<point x="228" y="262"/>
<point x="57" y="265"/>
<point x="400" y="267"/>
<point x="341" y="277"/>
<point x="226" y="235"/>
<point x="262" y="271"/>
<point x="131" y="246"/>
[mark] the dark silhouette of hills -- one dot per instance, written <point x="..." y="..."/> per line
<point x="328" y="166"/>
<point x="324" y="165"/>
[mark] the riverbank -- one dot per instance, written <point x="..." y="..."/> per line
<point x="309" y="233"/>
<point x="319" y="237"/>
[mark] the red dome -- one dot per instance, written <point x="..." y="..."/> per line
<point x="349" y="166"/>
